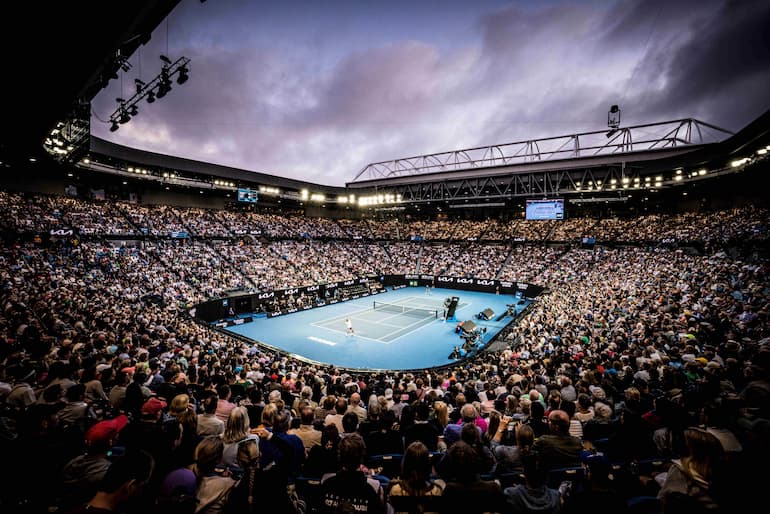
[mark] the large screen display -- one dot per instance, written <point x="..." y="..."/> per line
<point x="545" y="209"/>
<point x="247" y="195"/>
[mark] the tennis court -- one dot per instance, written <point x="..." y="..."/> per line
<point x="402" y="333"/>
<point x="387" y="321"/>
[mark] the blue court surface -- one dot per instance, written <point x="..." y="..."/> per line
<point x="401" y="329"/>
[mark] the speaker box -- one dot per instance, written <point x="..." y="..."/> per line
<point x="469" y="326"/>
<point x="488" y="313"/>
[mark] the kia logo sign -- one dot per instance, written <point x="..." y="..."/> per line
<point x="262" y="296"/>
<point x="484" y="282"/>
<point x="311" y="288"/>
<point x="465" y="281"/>
<point x="446" y="279"/>
<point x="62" y="232"/>
<point x="291" y="291"/>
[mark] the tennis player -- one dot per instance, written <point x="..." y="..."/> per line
<point x="349" y="328"/>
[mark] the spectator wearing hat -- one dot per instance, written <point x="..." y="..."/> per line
<point x="176" y="494"/>
<point x="81" y="476"/>
<point x="146" y="432"/>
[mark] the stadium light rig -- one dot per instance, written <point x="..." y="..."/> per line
<point x="158" y="87"/>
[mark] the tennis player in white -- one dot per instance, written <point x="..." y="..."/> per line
<point x="349" y="328"/>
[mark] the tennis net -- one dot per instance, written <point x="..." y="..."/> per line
<point x="406" y="310"/>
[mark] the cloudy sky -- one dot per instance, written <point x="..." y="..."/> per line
<point x="316" y="90"/>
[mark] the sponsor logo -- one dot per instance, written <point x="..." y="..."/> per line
<point x="355" y="296"/>
<point x="465" y="281"/>
<point x="331" y="285"/>
<point x="312" y="288"/>
<point x="238" y="321"/>
<point x="291" y="291"/>
<point x="485" y="282"/>
<point x="262" y="296"/>
<point x="506" y="284"/>
<point x="446" y="279"/>
<point x="396" y="287"/>
<point x="289" y="311"/>
<point x="333" y="301"/>
<point x="521" y="285"/>
<point x="411" y="277"/>
<point x="348" y="282"/>
<point x="471" y="238"/>
<point x="62" y="232"/>
<point x="358" y="238"/>
<point x="426" y="277"/>
<point x="306" y="307"/>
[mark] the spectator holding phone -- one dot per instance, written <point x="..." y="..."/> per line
<point x="510" y="455"/>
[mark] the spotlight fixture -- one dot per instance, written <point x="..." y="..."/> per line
<point x="183" y="75"/>
<point x="613" y="120"/>
<point x="152" y="90"/>
<point x="124" y="116"/>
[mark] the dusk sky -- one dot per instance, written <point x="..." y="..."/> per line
<point x="316" y="90"/>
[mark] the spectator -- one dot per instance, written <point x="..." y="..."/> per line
<point x="558" y="449"/>
<point x="349" y="489"/>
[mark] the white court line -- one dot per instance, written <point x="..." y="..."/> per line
<point x="323" y="341"/>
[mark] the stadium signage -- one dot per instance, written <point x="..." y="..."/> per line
<point x="62" y="232"/>
<point x="505" y="283"/>
<point x="446" y="279"/>
<point x="291" y="291"/>
<point x="521" y="285"/>
<point x="411" y="277"/>
<point x="485" y="282"/>
<point x="348" y="282"/>
<point x="426" y="277"/>
<point x="310" y="289"/>
<point x="331" y="285"/>
<point x="465" y="281"/>
<point x="262" y="296"/>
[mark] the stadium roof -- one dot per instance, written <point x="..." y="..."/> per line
<point x="56" y="53"/>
